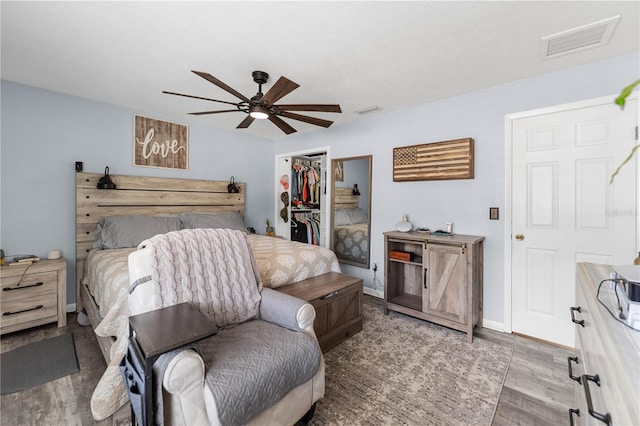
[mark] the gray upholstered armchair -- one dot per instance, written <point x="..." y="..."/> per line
<point x="263" y="366"/>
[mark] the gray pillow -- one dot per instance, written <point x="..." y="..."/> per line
<point x="227" y="220"/>
<point x="129" y="231"/>
<point x="350" y="217"/>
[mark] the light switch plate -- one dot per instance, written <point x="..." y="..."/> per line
<point x="494" y="213"/>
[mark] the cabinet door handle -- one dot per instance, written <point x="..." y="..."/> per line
<point x="6" y="314"/>
<point x="424" y="278"/>
<point x="571" y="412"/>
<point x="23" y="287"/>
<point x="573" y="318"/>
<point x="604" y="418"/>
<point x="571" y="376"/>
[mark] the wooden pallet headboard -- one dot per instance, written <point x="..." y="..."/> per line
<point x="140" y="195"/>
<point x="344" y="199"/>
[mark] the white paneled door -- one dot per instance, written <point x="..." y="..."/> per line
<point x="564" y="210"/>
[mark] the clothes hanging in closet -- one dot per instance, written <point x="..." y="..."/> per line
<point x="305" y="185"/>
<point x="305" y="228"/>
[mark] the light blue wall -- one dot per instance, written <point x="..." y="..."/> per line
<point x="480" y="115"/>
<point x="44" y="133"/>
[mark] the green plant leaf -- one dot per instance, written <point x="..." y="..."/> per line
<point x="626" y="160"/>
<point x="621" y="99"/>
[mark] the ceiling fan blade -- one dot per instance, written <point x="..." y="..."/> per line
<point x="310" y="107"/>
<point x="306" y="119"/>
<point x="221" y="85"/>
<point x="213" y="112"/>
<point x="246" y="122"/>
<point x="199" y="97"/>
<point x="283" y="87"/>
<point x="281" y="124"/>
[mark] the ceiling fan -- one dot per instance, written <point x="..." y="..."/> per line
<point x="263" y="106"/>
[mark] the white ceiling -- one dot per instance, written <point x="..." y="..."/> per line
<point x="387" y="53"/>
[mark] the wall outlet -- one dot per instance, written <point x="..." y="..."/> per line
<point x="78" y="166"/>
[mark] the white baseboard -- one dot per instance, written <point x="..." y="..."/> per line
<point x="371" y="292"/>
<point x="71" y="307"/>
<point x="493" y="325"/>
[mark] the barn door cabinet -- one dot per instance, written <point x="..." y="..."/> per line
<point x="435" y="278"/>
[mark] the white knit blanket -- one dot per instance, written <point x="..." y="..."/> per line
<point x="210" y="268"/>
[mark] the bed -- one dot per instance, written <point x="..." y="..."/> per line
<point x="163" y="204"/>
<point x="352" y="242"/>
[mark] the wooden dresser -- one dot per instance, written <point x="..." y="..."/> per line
<point x="435" y="278"/>
<point x="33" y="295"/>
<point x="606" y="367"/>
<point x="337" y="299"/>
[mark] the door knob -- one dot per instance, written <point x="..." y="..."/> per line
<point x="519" y="237"/>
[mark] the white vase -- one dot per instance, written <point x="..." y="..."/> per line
<point x="404" y="225"/>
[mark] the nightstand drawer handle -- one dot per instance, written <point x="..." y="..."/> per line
<point x="6" y="314"/>
<point x="335" y="293"/>
<point x="38" y="284"/>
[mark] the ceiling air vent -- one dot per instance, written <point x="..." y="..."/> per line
<point x="580" y="38"/>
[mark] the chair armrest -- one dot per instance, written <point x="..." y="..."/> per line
<point x="287" y="311"/>
<point x="183" y="385"/>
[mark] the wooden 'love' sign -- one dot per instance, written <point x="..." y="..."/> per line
<point x="158" y="143"/>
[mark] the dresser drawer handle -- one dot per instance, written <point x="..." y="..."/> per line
<point x="573" y="318"/>
<point x="6" y="314"/>
<point x="335" y="293"/>
<point x="571" y="376"/>
<point x="38" y="284"/>
<point x="571" y="413"/>
<point x="604" y="418"/>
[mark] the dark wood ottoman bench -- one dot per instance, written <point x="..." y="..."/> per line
<point x="337" y="299"/>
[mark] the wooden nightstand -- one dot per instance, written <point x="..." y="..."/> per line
<point x="33" y="295"/>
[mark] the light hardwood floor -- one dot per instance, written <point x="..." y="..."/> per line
<point x="537" y="390"/>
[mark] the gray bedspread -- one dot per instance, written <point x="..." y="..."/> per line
<point x="251" y="366"/>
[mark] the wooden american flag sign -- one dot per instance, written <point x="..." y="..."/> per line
<point x="434" y="161"/>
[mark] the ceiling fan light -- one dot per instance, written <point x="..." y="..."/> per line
<point x="258" y="112"/>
